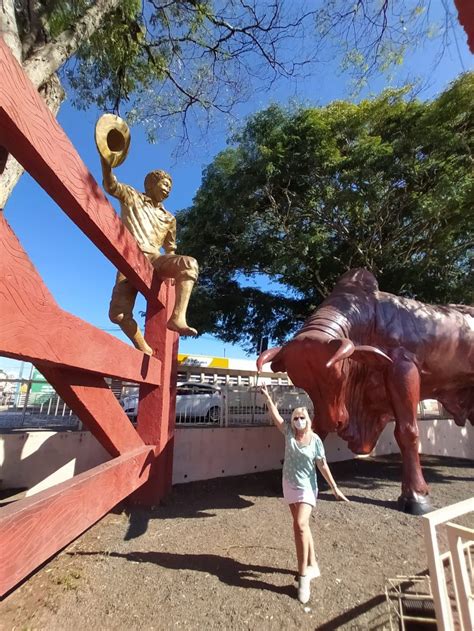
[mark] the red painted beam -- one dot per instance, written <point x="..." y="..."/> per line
<point x="34" y="328"/>
<point x="466" y="18"/>
<point x="97" y="407"/>
<point x="156" y="408"/>
<point x="30" y="132"/>
<point x="34" y="529"/>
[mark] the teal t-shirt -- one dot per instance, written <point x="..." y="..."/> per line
<point x="298" y="467"/>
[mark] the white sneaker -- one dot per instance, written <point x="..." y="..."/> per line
<point x="304" y="591"/>
<point x="313" y="571"/>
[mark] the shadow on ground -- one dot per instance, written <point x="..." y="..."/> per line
<point x="220" y="554"/>
<point x="226" y="569"/>
<point x="204" y="498"/>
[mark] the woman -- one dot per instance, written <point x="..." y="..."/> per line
<point x="302" y="448"/>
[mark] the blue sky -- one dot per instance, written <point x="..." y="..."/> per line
<point x="80" y="277"/>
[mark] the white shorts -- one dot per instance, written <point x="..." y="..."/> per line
<point x="293" y="495"/>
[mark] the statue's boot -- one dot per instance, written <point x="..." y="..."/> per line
<point x="177" y="322"/>
<point x="132" y="331"/>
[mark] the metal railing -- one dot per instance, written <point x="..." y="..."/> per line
<point x="207" y="398"/>
<point x="204" y="403"/>
<point x="33" y="404"/>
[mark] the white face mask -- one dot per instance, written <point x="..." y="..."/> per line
<point x="299" y="423"/>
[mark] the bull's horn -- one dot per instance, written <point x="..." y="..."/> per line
<point x="267" y="356"/>
<point x="343" y="349"/>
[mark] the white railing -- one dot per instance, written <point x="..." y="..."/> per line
<point x="208" y="397"/>
<point x="451" y="570"/>
<point x="32" y="403"/>
<point x="225" y="405"/>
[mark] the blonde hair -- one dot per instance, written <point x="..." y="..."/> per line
<point x="155" y="176"/>
<point x="304" y="411"/>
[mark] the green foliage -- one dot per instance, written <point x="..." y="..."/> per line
<point x="303" y="195"/>
<point x="163" y="59"/>
<point x="156" y="62"/>
<point x="113" y="63"/>
<point x="374" y="37"/>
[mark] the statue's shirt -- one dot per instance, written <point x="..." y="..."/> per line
<point x="152" y="226"/>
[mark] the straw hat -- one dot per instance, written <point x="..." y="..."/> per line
<point x="112" y="137"/>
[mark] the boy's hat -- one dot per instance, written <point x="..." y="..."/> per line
<point x="112" y="137"/>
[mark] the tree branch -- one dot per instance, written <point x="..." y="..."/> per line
<point x="9" y="27"/>
<point x="48" y="59"/>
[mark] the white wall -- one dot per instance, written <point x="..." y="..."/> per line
<point x="40" y="459"/>
<point x="201" y="454"/>
<point x="445" y="438"/>
<point x="438" y="437"/>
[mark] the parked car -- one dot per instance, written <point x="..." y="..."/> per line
<point x="130" y="405"/>
<point x="194" y="402"/>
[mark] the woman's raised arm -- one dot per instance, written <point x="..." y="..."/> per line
<point x="276" y="417"/>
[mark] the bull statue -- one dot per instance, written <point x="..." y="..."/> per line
<point x="366" y="357"/>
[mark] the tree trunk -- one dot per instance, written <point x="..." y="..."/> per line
<point x="48" y="59"/>
<point x="41" y="67"/>
<point x="8" y="27"/>
<point x="53" y="94"/>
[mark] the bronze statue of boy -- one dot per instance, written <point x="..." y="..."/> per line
<point x="154" y="228"/>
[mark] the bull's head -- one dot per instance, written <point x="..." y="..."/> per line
<point x="317" y="364"/>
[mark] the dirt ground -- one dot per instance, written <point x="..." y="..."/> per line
<point x="220" y="555"/>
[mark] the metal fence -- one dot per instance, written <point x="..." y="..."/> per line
<point x="215" y="401"/>
<point x="29" y="403"/>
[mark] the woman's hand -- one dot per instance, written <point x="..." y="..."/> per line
<point x="339" y="495"/>
<point x="263" y="390"/>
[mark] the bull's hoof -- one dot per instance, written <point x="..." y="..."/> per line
<point x="415" y="505"/>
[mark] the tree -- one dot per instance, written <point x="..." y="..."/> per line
<point x="374" y="36"/>
<point x="305" y="194"/>
<point x="165" y="59"/>
<point x="161" y="58"/>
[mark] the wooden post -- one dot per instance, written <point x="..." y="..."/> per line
<point x="156" y="408"/>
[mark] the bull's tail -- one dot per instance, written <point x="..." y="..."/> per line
<point x="267" y="356"/>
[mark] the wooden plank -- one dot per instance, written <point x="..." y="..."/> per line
<point x="34" y="328"/>
<point x="156" y="408"/>
<point x="34" y="529"/>
<point x="430" y="521"/>
<point x="95" y="404"/>
<point x="458" y="538"/>
<point x="30" y="132"/>
<point x="466" y="19"/>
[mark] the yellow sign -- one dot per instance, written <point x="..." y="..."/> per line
<point x="204" y="361"/>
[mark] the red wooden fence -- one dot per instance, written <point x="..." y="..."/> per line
<point x="466" y="18"/>
<point x="73" y="355"/>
